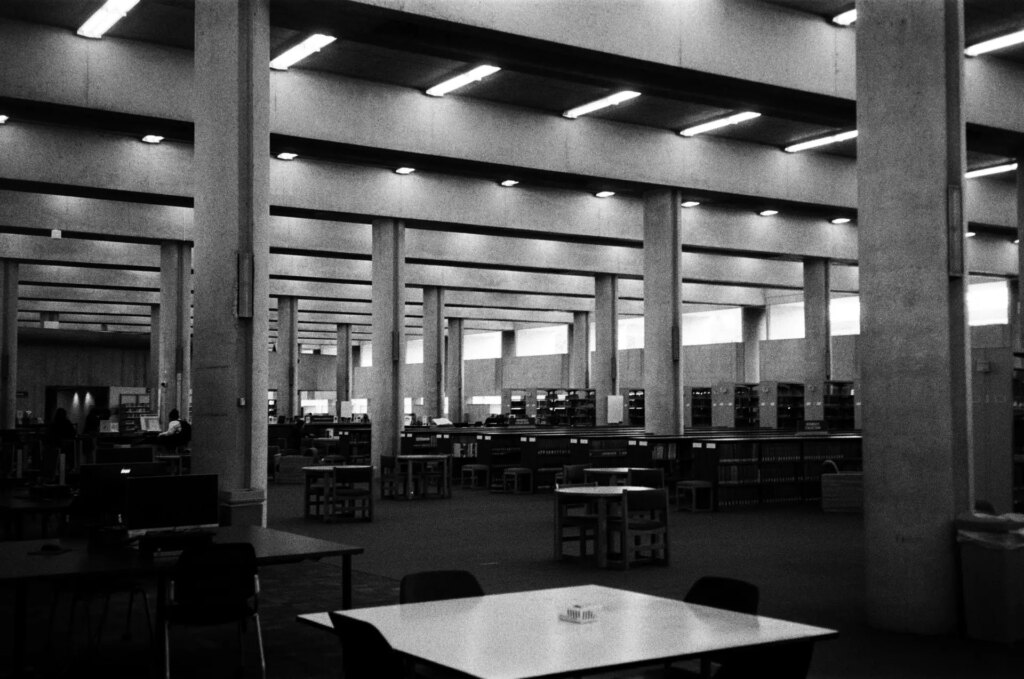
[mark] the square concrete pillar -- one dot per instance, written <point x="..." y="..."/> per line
<point x="8" y="342"/>
<point x="174" y="353"/>
<point x="914" y="344"/>
<point x="817" y="335"/>
<point x="606" y="353"/>
<point x="388" y="344"/>
<point x="433" y="351"/>
<point x="453" y="370"/>
<point x="754" y="325"/>
<point x="579" y="350"/>
<point x="344" y="366"/>
<point x="288" y="354"/>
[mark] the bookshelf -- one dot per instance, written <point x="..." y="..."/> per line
<point x="781" y="405"/>
<point x="635" y="407"/>
<point x="130" y="408"/>
<point x="581" y="408"/>
<point x="697" y="406"/>
<point x="519" y="404"/>
<point x="839" y="406"/>
<point x="735" y="406"/>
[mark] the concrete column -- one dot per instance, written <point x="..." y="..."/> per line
<point x="153" y="368"/>
<point x="508" y="352"/>
<point x="344" y="366"/>
<point x="433" y="351"/>
<point x="232" y="214"/>
<point x="914" y="344"/>
<point x="453" y="370"/>
<point x="754" y="320"/>
<point x="174" y="354"/>
<point x="288" y="354"/>
<point x="606" y="351"/>
<point x="663" y="334"/>
<point x="1017" y="314"/>
<point x="388" y="314"/>
<point x="8" y="342"/>
<point x="817" y="335"/>
<point x="579" y="350"/>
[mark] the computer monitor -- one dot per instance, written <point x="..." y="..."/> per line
<point x="149" y="423"/>
<point x="123" y="455"/>
<point x="171" y="503"/>
<point x="101" y="487"/>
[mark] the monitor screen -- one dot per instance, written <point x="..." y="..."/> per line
<point x="101" y="486"/>
<point x="171" y="502"/>
<point x="149" y="423"/>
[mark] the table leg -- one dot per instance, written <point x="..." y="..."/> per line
<point x="408" y="479"/>
<point x="346" y="581"/>
<point x="601" y="543"/>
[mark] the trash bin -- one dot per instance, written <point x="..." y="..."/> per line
<point x="992" y="568"/>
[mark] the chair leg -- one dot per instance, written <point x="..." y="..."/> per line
<point x="259" y="642"/>
<point x="167" y="651"/>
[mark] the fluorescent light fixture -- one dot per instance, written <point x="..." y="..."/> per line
<point x="971" y="234"/>
<point x="310" y="45"/>
<point x="55" y="233"/>
<point x="509" y="182"/>
<point x="690" y="203"/>
<point x="152" y="139"/>
<point x="106" y="16"/>
<point x="287" y="155"/>
<point x="604" y="102"/>
<point x="840" y="220"/>
<point x="768" y="213"/>
<point x="4" y="119"/>
<point x="845" y="18"/>
<point x="721" y="122"/>
<point x="405" y="170"/>
<point x="994" y="169"/>
<point x="476" y="74"/>
<point x="821" y="141"/>
<point x="999" y="43"/>
<point x="604" y="194"/>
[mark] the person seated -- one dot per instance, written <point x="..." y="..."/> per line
<point x="178" y="431"/>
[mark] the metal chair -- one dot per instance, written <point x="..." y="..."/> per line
<point x="719" y="592"/>
<point x="642" y="528"/>
<point x="214" y="584"/>
<point x="366" y="654"/>
<point x="437" y="586"/>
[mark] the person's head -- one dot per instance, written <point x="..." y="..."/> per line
<point x="173" y="415"/>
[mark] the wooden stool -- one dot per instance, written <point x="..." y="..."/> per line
<point x="690" y="493"/>
<point x="517" y="480"/>
<point x="472" y="473"/>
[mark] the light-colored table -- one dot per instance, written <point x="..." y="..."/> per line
<point x="409" y="461"/>
<point x="519" y="635"/>
<point x="601" y="496"/>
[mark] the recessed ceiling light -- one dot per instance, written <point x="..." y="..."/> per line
<point x="310" y="45"/>
<point x="999" y="43"/>
<point x="509" y="182"/>
<point x="478" y="73"/>
<point x="994" y="169"/>
<point x="287" y="155"/>
<point x="971" y="234"/>
<point x="152" y="139"/>
<point x="4" y="119"/>
<point x="604" y="102"/>
<point x="106" y="16"/>
<point x="768" y="213"/>
<point x="845" y="18"/>
<point x="720" y="122"/>
<point x="690" y="203"/>
<point x="405" y="170"/>
<point x="840" y="220"/>
<point x="604" y="194"/>
<point x="821" y="141"/>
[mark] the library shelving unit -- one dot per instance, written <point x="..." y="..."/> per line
<point x="781" y="405"/>
<point x="735" y="406"/>
<point x="581" y="407"/>
<point x="635" y="407"/>
<point x="551" y="407"/>
<point x="697" y="406"/>
<point x="130" y="408"/>
<point x="838" y="398"/>
<point x="519" y="404"/>
<point x="272" y="405"/>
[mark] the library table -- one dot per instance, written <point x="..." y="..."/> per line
<point x="24" y="561"/>
<point x="601" y="496"/>
<point x="520" y="635"/>
<point x="410" y="461"/>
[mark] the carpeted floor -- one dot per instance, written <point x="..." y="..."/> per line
<point x="809" y="566"/>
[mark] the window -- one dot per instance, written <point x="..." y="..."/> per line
<point x="786" y="321"/>
<point x="988" y="303"/>
<point x="713" y="327"/>
<point x="359" y="406"/>
<point x="481" y="345"/>
<point x="550" y="339"/>
<point x="485" y="400"/>
<point x="365" y="355"/>
<point x="413" y="353"/>
<point x="631" y="333"/>
<point x="844" y="315"/>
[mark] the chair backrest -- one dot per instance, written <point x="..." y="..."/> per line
<point x="573" y="473"/>
<point x="438" y="585"/>
<point x="728" y="593"/>
<point x="215" y="574"/>
<point x="654" y="501"/>
<point x="346" y="475"/>
<point x="652" y="478"/>
<point x="366" y="654"/>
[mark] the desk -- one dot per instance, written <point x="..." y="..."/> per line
<point x="21" y="563"/>
<point x="16" y="504"/>
<point x="601" y="496"/>
<point x="409" y="461"/>
<point x="519" y="635"/>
